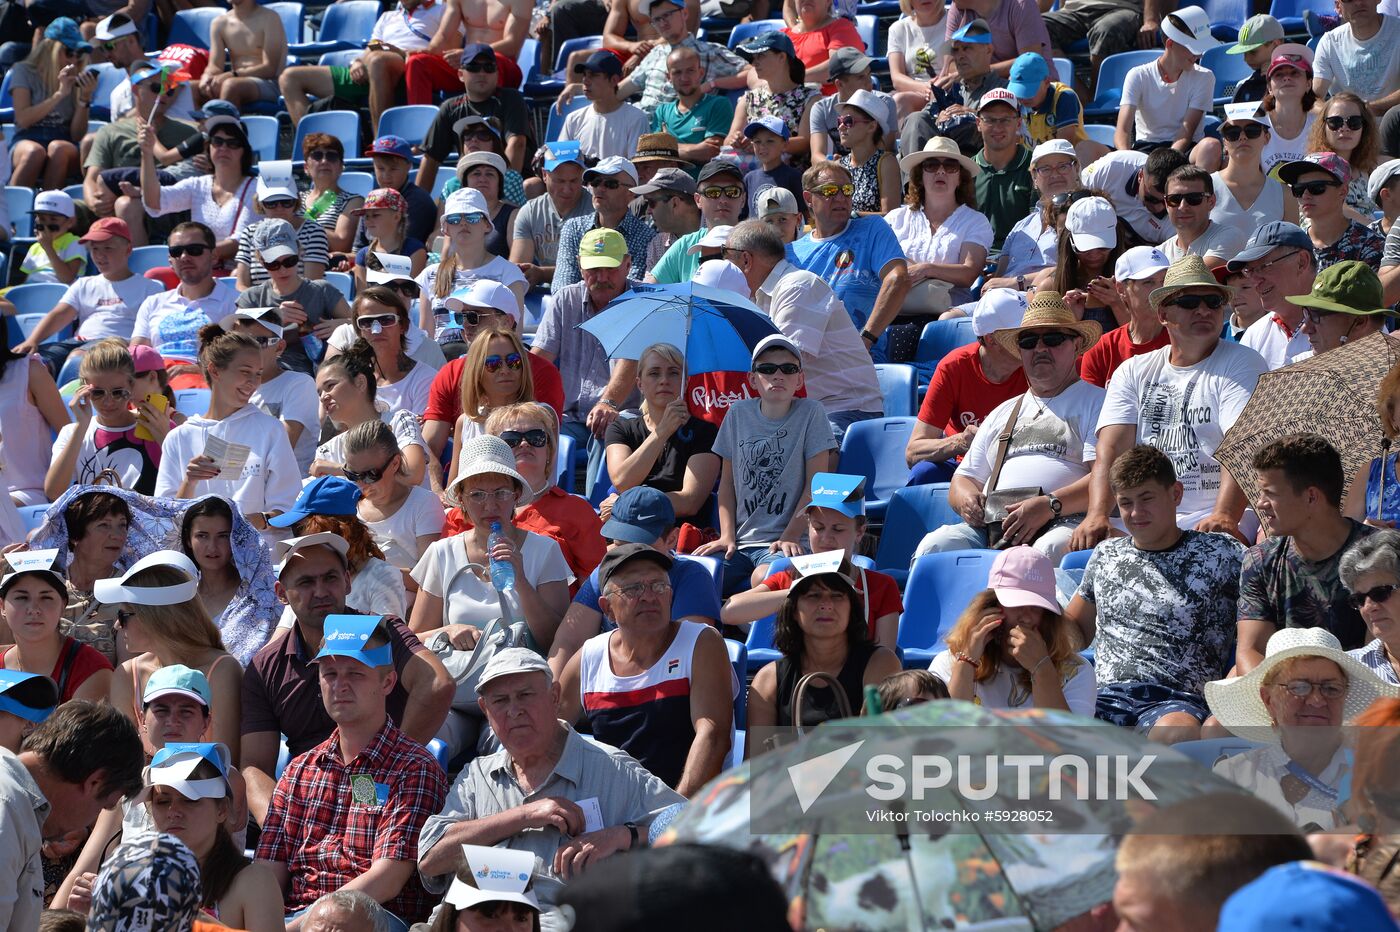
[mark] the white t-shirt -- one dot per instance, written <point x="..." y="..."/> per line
<point x="1051" y="447"/>
<point x="122" y="457"/>
<point x="495" y="270"/>
<point x="409" y="393"/>
<point x="1218" y="241"/>
<point x="107" y="308"/>
<point x="121" y="100"/>
<point x="603" y="135"/>
<point x="1267" y="337"/>
<point x="170" y="322"/>
<point x="1282" y="148"/>
<point x="291" y="397"/>
<point x="444" y="571"/>
<point x="1116" y="173"/>
<point x="999" y="691"/>
<point x="1369" y="69"/>
<point x="419" y="514"/>
<point x="910" y="39"/>
<point x="964" y="225"/>
<point x="1162" y="107"/>
<point x="270" y="480"/>
<point x="1184" y="412"/>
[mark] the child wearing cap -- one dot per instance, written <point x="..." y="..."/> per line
<point x="771" y="447"/>
<point x="385" y="217"/>
<point x="310" y="309"/>
<point x="57" y="256"/>
<point x="835" y="522"/>
<point x="1165" y="100"/>
<point x="1136" y="274"/>
<point x="279" y="201"/>
<point x="769" y="136"/>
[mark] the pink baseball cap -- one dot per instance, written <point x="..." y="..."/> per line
<point x="146" y="359"/>
<point x="1023" y="576"/>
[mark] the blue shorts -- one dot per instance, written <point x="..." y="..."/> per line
<point x="1141" y="705"/>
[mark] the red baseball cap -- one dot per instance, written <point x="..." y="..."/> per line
<point x="105" y="229"/>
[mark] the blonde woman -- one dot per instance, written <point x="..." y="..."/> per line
<point x="52" y="91"/>
<point x="495" y="374"/>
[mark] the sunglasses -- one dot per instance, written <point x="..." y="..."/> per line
<point x="729" y="190"/>
<point x="123" y="617"/>
<point x="1189" y="302"/>
<point x="267" y="342"/>
<point x="514" y="438"/>
<point x="225" y="142"/>
<point x="473" y="318"/>
<point x="772" y="368"/>
<point x="480" y="67"/>
<point x="481" y="135"/>
<point x="323" y="155"/>
<point x="108" y="46"/>
<point x="1313" y="188"/>
<point x="383" y="320"/>
<point x="120" y="394"/>
<point x="848" y="120"/>
<point x="286" y="262"/>
<point x="48" y="227"/>
<point x="193" y="249"/>
<point x="369" y="476"/>
<point x="1029" y="341"/>
<point x="946" y="166"/>
<point x="1353" y="123"/>
<point x="1379" y="595"/>
<point x="607" y="184"/>
<point x="457" y="220"/>
<point x="1233" y="133"/>
<point x="280" y="203"/>
<point x="407" y="289"/>
<point x="832" y="189"/>
<point x="1064" y="199"/>
<point x="1194" y="198"/>
<point x="511" y="361"/>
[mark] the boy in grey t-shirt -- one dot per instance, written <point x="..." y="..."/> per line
<point x="771" y="447"/>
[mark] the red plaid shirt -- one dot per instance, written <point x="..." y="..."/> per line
<point x="326" y="838"/>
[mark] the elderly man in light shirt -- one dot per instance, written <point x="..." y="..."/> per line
<point x="547" y="791"/>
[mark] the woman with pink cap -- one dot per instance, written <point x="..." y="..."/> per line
<point x="1011" y="647"/>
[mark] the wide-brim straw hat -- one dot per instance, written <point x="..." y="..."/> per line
<point x="483" y="455"/>
<point x="1238" y="706"/>
<point x="1048" y="309"/>
<point x="939" y="147"/>
<point x="1187" y="272"/>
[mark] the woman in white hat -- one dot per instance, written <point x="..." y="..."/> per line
<point x="860" y="124"/>
<point x="453" y="576"/>
<point x="944" y="236"/>
<point x="467" y="225"/>
<point x="488" y="903"/>
<point x="1090" y="244"/>
<point x="1296" y="702"/>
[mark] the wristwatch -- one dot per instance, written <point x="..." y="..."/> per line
<point x="1055" y="503"/>
<point x="869" y="337"/>
<point x="636" y="835"/>
<point x="1020" y="283"/>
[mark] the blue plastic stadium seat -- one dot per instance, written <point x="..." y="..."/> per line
<point x="1064" y="71"/>
<point x="1076" y="559"/>
<point x="899" y="384"/>
<point x="1229" y="71"/>
<point x="745" y="30"/>
<point x="940" y="586"/>
<point x="1108" y="89"/>
<point x="761" y="651"/>
<point x="738" y="659"/>
<point x="262" y="134"/>
<point x="292" y="16"/>
<point x="714" y="566"/>
<point x="360" y="183"/>
<point x="566" y="462"/>
<point x="912" y="513"/>
<point x="875" y="449"/>
<point x="33" y="515"/>
<point x="1101" y="133"/>
<point x="192" y="401"/>
<point x="347" y="25"/>
<point x="340" y="59"/>
<point x="145" y="258"/>
<point x="1289" y="13"/>
<point x="342" y="124"/>
<point x="191" y="27"/>
<point x="866" y="29"/>
<point x="554" y="125"/>
<point x="19" y="202"/>
<point x="411" y="122"/>
<point x="569" y="47"/>
<point x="939" y="338"/>
<point x="38" y="298"/>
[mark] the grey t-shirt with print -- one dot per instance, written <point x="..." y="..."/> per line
<point x="317" y="298"/>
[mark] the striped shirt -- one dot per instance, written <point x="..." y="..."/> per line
<point x="656" y="87"/>
<point x="1374" y="657"/>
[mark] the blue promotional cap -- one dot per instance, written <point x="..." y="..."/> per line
<point x="1305" y="895"/>
<point x="29" y="696"/>
<point x="174" y="766"/>
<point x="391" y="145"/>
<point x="974" y="32"/>
<point x="346" y="636"/>
<point x="839" y="492"/>
<point x="765" y="42"/>
<point x="771" y="123"/>
<point x="33" y="562"/>
<point x="562" y="152"/>
<point x="1268" y="238"/>
<point x="328" y="495"/>
<point x="640" y="516"/>
<point x="1028" y="71"/>
<point x="65" y="30"/>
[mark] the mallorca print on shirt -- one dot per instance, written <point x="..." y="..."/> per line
<point x="1168" y="422"/>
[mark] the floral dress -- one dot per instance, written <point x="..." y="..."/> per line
<point x="866" y="178"/>
<point x="787" y="106"/>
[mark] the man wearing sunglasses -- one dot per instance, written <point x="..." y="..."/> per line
<point x="721" y="194"/>
<point x="538" y="222"/>
<point x="1180" y="399"/>
<point x="607" y="126"/>
<point x="169" y="321"/>
<point x="485" y="95"/>
<point x="1279" y="260"/>
<point x="670" y="200"/>
<point x="611" y="182"/>
<point x="1190" y="199"/>
<point x="1136" y="184"/>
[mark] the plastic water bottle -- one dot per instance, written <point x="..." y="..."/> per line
<point x="502" y="573"/>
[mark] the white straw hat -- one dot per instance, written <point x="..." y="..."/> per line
<point x="483" y="455"/>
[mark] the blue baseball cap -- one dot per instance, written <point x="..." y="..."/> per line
<point x="65" y="30"/>
<point x="391" y="145"/>
<point x="771" y="123"/>
<point x="219" y="108"/>
<point x="328" y="495"/>
<point x="603" y="62"/>
<point x="974" y="32"/>
<point x="1028" y="72"/>
<point x="562" y="152"/>
<point x="1306" y="896"/>
<point x="640" y="516"/>
<point x="347" y="635"/>
<point x="765" y="42"/>
<point x="839" y="492"/>
<point x="1268" y="238"/>
<point x="29" y="696"/>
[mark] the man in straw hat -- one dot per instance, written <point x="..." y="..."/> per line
<point x="1345" y="305"/>
<point x="1043" y="467"/>
<point x="1182" y="399"/>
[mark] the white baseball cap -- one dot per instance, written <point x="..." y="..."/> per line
<point x="392" y="268"/>
<point x="466" y="201"/>
<point x="1190" y="26"/>
<point x="998" y="309"/>
<point x="1053" y="147"/>
<point x="721" y="273"/>
<point x="612" y="165"/>
<point x="1140" y="262"/>
<point x="1092" y="224"/>
<point x="1234" y="113"/>
<point x="714" y="238"/>
<point x="485" y="293"/>
<point x="53" y="202"/>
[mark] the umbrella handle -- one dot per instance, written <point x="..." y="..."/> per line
<point x="1380" y="498"/>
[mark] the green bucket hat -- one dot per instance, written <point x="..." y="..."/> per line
<point x="1348" y="287"/>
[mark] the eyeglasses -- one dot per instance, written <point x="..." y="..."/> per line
<point x="607" y="184"/>
<point x="383" y="320"/>
<point x="832" y="189"/>
<point x="772" y="368"/>
<point x="1353" y="123"/>
<point x="1194" y="198"/>
<point x="280" y="203"/>
<point x="193" y="249"/>
<point x="998" y="121"/>
<point x="848" y="120"/>
<point x="908" y="701"/>
<point x="719" y="191"/>
<point x="514" y="438"/>
<point x="1058" y="168"/>
<point x="636" y="590"/>
<point x="369" y="476"/>
<point x="1189" y="302"/>
<point x="323" y="155"/>
<point x="286" y="262"/>
<point x="1257" y="269"/>
<point x="1378" y="595"/>
<point x="1029" y="341"/>
<point x="405" y="288"/>
<point x="511" y="361"/>
<point x="120" y="394"/>
<point x="481" y="497"/>
<point x="123" y="618"/>
<point x="1233" y="133"/>
<point x="946" y="166"/>
<point x="459" y="219"/>
<point x="480" y="67"/>
<point x="225" y="142"/>
<point x="1315" y="317"/>
<point x="1330" y="690"/>
<point x="473" y="318"/>
<point x="1313" y="188"/>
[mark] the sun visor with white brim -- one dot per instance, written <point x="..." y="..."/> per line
<point x="173" y="767"/>
<point x="391" y="268"/>
<point x="39" y="562"/>
<point x="112" y="591"/>
<point x="499" y="875"/>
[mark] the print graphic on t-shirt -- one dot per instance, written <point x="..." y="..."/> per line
<point x="1169" y="423"/>
<point x="1037" y="436"/>
<point x="761" y="462"/>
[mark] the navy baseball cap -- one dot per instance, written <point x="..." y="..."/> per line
<point x="640" y="515"/>
<point x="771" y="123"/>
<point x="328" y="495"/>
<point x="765" y="42"/>
<point x="219" y="108"/>
<point x="1268" y="238"/>
<point x="476" y="50"/>
<point x="603" y="62"/>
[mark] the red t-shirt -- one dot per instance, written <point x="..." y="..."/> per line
<point x="568" y="519"/>
<point x="884" y="593"/>
<point x="445" y="394"/>
<point x="86" y="662"/>
<point x="960" y="394"/>
<point x="814" y="48"/>
<point x="1113" y="349"/>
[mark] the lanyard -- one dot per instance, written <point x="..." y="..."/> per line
<point x="1295" y="769"/>
<point x="413" y="26"/>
